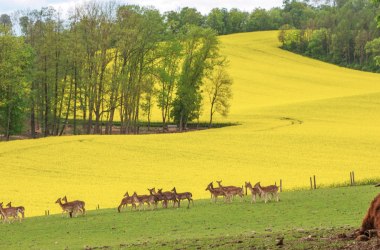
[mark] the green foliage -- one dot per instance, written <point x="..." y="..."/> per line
<point x="335" y="33"/>
<point x="201" y="52"/>
<point x="15" y="69"/>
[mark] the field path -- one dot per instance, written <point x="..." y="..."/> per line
<point x="339" y="109"/>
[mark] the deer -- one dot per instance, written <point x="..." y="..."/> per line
<point x="79" y="204"/>
<point x="141" y="199"/>
<point x="371" y="221"/>
<point x="272" y="189"/>
<point x="254" y="191"/>
<point x="169" y="196"/>
<point x="71" y="208"/>
<point x="215" y="192"/>
<point x="183" y="196"/>
<point x="125" y="201"/>
<point x="9" y="212"/>
<point x="231" y="191"/>
<point x="160" y="197"/>
<point x="21" y="209"/>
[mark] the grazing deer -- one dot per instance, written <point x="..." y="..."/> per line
<point x="215" y="192"/>
<point x="170" y="196"/>
<point x="254" y="191"/>
<point x="265" y="191"/>
<point x="79" y="204"/>
<point x="231" y="191"/>
<point x="159" y="197"/>
<point x="125" y="201"/>
<point x="371" y="220"/>
<point x="183" y="196"/>
<point x="71" y="208"/>
<point x="9" y="212"/>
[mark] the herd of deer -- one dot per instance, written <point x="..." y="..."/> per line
<point x="229" y="192"/>
<point x="153" y="198"/>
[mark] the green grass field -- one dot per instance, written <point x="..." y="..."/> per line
<point x="321" y="213"/>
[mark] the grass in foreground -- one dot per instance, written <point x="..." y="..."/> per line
<point x="320" y="213"/>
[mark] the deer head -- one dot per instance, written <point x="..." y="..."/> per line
<point x="257" y="185"/>
<point x="248" y="184"/>
<point x="152" y="190"/>
<point x="174" y="190"/>
<point x="209" y="186"/>
<point x="159" y="191"/>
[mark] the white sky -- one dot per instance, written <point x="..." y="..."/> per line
<point x="204" y="6"/>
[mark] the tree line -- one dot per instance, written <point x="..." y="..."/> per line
<point x="106" y="63"/>
<point x="343" y="32"/>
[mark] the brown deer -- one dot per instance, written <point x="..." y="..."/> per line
<point x="254" y="191"/>
<point x="125" y="201"/>
<point x="141" y="199"/>
<point x="215" y="192"/>
<point x="21" y="209"/>
<point x="71" y="208"/>
<point x="159" y="197"/>
<point x="231" y="191"/>
<point x="269" y="190"/>
<point x="79" y="204"/>
<point x="169" y="196"/>
<point x="183" y="196"/>
<point x="9" y="212"/>
<point x="371" y="220"/>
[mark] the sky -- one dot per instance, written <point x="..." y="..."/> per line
<point x="204" y="6"/>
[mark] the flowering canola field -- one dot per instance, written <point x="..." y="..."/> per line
<point x="299" y="117"/>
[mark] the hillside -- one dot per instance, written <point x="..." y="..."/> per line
<point x="299" y="117"/>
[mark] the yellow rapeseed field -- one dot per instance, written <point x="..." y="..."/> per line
<point x="298" y="116"/>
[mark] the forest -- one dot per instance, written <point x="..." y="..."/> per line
<point x="104" y="64"/>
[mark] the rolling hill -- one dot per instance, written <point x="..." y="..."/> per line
<point x="299" y="117"/>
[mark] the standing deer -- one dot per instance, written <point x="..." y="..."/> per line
<point x="183" y="196"/>
<point x="265" y="191"/>
<point x="21" y="209"/>
<point x="231" y="191"/>
<point x="215" y="192"/>
<point x="125" y="201"/>
<point x="71" y="208"/>
<point x="170" y="196"/>
<point x="77" y="203"/>
<point x="159" y="197"/>
<point x="254" y="191"/>
<point x="9" y="212"/>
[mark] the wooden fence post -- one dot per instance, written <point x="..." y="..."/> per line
<point x="280" y="185"/>
<point x="315" y="183"/>
<point x="350" y="178"/>
<point x="353" y="178"/>
<point x="311" y="183"/>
